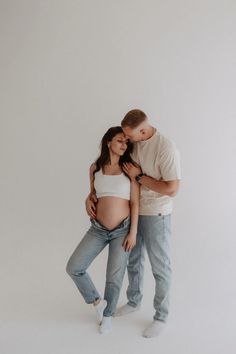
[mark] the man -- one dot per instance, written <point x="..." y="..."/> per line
<point x="158" y="173"/>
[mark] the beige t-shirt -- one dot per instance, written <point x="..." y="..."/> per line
<point x="158" y="158"/>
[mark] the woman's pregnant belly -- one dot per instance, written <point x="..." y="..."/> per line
<point x="111" y="211"/>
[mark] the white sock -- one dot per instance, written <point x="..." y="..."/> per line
<point x="154" y="329"/>
<point x="125" y="309"/>
<point x="105" y="326"/>
<point x="99" y="308"/>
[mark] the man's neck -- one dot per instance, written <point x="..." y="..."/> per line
<point x="151" y="131"/>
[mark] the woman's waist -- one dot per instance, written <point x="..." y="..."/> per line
<point x="109" y="225"/>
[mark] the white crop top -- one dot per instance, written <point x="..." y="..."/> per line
<point x="112" y="185"/>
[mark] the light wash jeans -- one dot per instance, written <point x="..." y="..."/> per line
<point x="94" y="241"/>
<point x="154" y="235"/>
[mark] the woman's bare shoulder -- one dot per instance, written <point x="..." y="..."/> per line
<point x="92" y="167"/>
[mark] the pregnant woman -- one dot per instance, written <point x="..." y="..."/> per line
<point x="113" y="222"/>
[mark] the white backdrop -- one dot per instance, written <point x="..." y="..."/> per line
<point x="70" y="70"/>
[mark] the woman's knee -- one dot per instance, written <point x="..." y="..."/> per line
<point x="75" y="267"/>
<point x="72" y="266"/>
<point x="69" y="268"/>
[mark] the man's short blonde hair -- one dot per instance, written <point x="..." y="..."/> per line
<point x="133" y="118"/>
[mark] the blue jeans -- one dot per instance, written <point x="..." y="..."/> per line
<point x="154" y="235"/>
<point x="94" y="241"/>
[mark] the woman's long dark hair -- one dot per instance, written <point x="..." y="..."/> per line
<point x="104" y="157"/>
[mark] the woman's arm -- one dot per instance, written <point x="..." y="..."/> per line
<point x="91" y="198"/>
<point x="91" y="177"/>
<point x="130" y="239"/>
<point x="134" y="206"/>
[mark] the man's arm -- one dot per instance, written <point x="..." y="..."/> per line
<point x="169" y="188"/>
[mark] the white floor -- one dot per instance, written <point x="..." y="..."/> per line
<point x="48" y="316"/>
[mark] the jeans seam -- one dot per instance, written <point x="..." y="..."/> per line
<point x="139" y="272"/>
<point x="140" y="263"/>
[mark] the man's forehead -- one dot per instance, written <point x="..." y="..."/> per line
<point x="128" y="130"/>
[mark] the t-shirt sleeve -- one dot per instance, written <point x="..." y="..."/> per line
<point x="170" y="162"/>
